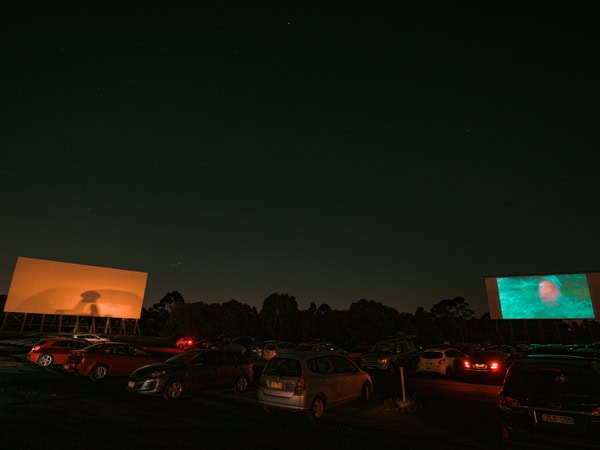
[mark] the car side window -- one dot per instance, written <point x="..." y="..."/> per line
<point x="208" y="359"/>
<point x="323" y="366"/>
<point x="342" y="365"/>
<point x="228" y="359"/>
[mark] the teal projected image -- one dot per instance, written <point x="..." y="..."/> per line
<point x="545" y="297"/>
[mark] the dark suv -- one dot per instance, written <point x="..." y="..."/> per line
<point x="389" y="355"/>
<point x="553" y="401"/>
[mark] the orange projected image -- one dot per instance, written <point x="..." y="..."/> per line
<point x="49" y="287"/>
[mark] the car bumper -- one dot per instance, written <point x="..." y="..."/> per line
<point x="145" y="387"/>
<point x="297" y="403"/>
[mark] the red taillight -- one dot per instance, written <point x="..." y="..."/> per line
<point x="36" y="348"/>
<point x="467" y="364"/>
<point x="505" y="401"/>
<point x="494" y="365"/>
<point x="190" y="342"/>
<point x="301" y="384"/>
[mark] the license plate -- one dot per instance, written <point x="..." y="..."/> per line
<point x="130" y="384"/>
<point x="479" y="366"/>
<point x="276" y="385"/>
<point x="567" y="420"/>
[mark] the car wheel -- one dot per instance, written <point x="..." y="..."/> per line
<point x="241" y="385"/>
<point x="45" y="360"/>
<point x="99" y="372"/>
<point x="316" y="410"/>
<point x="173" y="390"/>
<point x="366" y="392"/>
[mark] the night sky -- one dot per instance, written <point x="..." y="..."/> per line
<point x="384" y="151"/>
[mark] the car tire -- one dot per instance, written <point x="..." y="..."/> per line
<point x="316" y="410"/>
<point x="174" y="390"/>
<point x="366" y="392"/>
<point x="99" y="372"/>
<point x="45" y="360"/>
<point x="241" y="385"/>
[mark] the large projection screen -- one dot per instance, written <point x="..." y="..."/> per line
<point x="49" y="287"/>
<point x="571" y="296"/>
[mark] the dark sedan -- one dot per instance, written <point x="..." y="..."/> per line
<point x="486" y="366"/>
<point x="193" y="371"/>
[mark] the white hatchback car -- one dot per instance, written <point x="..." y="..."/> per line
<point x="441" y="361"/>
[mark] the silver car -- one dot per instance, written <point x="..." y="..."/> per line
<point x="311" y="382"/>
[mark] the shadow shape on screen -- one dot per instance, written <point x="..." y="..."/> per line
<point x="74" y="302"/>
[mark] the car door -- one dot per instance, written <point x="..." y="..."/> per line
<point x="327" y="379"/>
<point x="228" y="368"/>
<point x="349" y="385"/>
<point x="202" y="372"/>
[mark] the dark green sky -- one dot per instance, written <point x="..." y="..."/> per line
<point x="395" y="153"/>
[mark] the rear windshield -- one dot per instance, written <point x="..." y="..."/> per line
<point x="570" y="380"/>
<point x="283" y="367"/>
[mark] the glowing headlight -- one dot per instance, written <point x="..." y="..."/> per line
<point x="158" y="373"/>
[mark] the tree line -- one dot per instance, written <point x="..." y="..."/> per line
<point x="280" y="318"/>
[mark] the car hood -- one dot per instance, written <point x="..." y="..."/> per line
<point x="148" y="369"/>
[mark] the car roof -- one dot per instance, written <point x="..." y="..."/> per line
<point x="304" y="355"/>
<point x="70" y="339"/>
<point x="441" y="349"/>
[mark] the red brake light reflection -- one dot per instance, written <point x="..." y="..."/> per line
<point x="467" y="364"/>
<point x="494" y="365"/>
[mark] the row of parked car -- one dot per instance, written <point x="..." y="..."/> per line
<point x="549" y="393"/>
<point x="309" y="380"/>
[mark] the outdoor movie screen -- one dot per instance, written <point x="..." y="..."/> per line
<point x="553" y="296"/>
<point x="49" y="287"/>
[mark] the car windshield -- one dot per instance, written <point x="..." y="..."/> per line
<point x="383" y="348"/>
<point x="283" y="367"/>
<point x="93" y="347"/>
<point x="488" y="354"/>
<point x="184" y="358"/>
